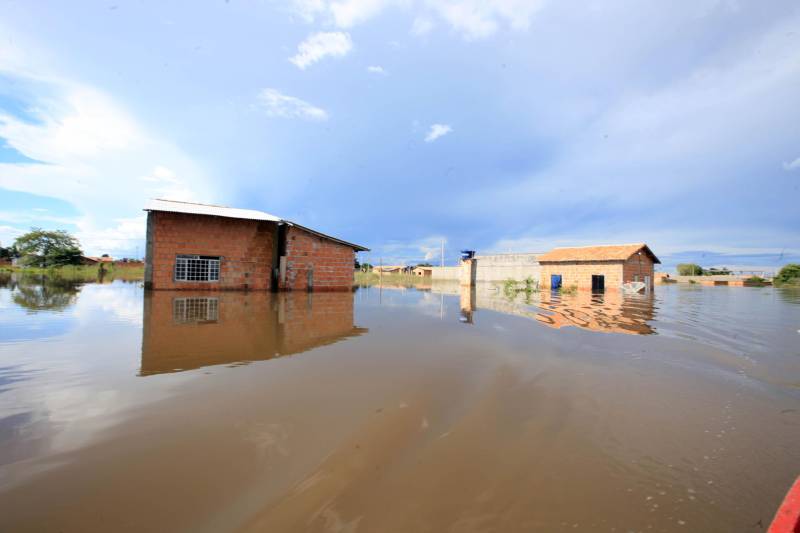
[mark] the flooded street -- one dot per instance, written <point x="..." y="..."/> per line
<point x="395" y="410"/>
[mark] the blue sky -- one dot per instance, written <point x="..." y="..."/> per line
<point x="502" y="125"/>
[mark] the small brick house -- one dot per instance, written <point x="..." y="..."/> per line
<point x="205" y="247"/>
<point x="598" y="268"/>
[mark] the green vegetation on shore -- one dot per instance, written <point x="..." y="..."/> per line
<point x="110" y="271"/>
<point x="789" y="276"/>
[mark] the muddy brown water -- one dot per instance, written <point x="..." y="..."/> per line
<point x="395" y="410"/>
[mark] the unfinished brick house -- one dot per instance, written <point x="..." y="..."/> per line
<point x="598" y="268"/>
<point x="206" y="247"/>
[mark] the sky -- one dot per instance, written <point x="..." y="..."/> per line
<point x="490" y="125"/>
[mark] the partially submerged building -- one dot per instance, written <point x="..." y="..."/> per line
<point x="598" y="267"/>
<point x="209" y="247"/>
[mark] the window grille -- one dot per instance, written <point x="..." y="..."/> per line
<point x="189" y="310"/>
<point x="196" y="268"/>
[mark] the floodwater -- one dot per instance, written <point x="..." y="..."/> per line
<point x="395" y="410"/>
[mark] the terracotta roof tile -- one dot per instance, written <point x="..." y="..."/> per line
<point x="617" y="252"/>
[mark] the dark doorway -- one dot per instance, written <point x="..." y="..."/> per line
<point x="555" y="281"/>
<point x="598" y="283"/>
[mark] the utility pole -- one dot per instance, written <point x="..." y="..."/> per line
<point x="442" y="252"/>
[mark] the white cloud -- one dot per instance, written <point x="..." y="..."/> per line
<point x="793" y="165"/>
<point x="161" y="175"/>
<point x="436" y="131"/>
<point x="8" y="234"/>
<point x="427" y="248"/>
<point x="309" y="10"/>
<point x="277" y="104"/>
<point x="320" y="45"/>
<point x="376" y="69"/>
<point x="122" y="234"/>
<point x="477" y="19"/>
<point x="348" y="13"/>
<point x="474" y="19"/>
<point x="422" y="25"/>
<point x="94" y="153"/>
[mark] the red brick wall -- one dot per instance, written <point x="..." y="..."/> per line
<point x="246" y="248"/>
<point x="639" y="266"/>
<point x="330" y="263"/>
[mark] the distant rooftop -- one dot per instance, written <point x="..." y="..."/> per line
<point x="174" y="206"/>
<point x="614" y="252"/>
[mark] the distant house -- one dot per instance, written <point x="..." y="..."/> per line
<point x="208" y="247"/>
<point x="391" y="269"/>
<point x="598" y="267"/>
<point x="93" y="260"/>
<point x="423" y="271"/>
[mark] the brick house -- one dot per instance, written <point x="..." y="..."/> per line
<point x="598" y="268"/>
<point x="206" y="247"/>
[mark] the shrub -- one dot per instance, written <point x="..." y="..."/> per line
<point x="788" y="275"/>
<point x="572" y="289"/>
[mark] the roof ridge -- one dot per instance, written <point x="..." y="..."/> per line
<point x="600" y="245"/>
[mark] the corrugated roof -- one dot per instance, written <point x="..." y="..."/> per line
<point x="616" y="252"/>
<point x="174" y="206"/>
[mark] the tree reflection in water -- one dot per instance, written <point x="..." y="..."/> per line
<point x="40" y="292"/>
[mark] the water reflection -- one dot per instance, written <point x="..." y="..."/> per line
<point x="184" y="331"/>
<point x="610" y="312"/>
<point x="40" y="293"/>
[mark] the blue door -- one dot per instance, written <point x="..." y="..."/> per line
<point x="555" y="281"/>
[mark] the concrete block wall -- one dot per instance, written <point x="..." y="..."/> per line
<point x="329" y="263"/>
<point x="500" y="267"/>
<point x="448" y="273"/>
<point x="497" y="267"/>
<point x="245" y="247"/>
<point x="579" y="273"/>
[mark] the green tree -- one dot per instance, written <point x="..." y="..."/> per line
<point x="788" y="275"/>
<point x="48" y="248"/>
<point x="689" y="269"/>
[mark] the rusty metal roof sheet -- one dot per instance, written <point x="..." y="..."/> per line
<point x="174" y="206"/>
<point x="616" y="252"/>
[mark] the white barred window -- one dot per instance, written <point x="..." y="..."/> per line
<point x="196" y="268"/>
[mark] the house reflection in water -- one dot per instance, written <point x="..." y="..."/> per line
<point x="187" y="330"/>
<point x="610" y="312"/>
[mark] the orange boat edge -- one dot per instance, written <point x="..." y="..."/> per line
<point x="787" y="519"/>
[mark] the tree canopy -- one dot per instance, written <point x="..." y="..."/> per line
<point x="689" y="269"/>
<point x="48" y="248"/>
<point x="788" y="275"/>
<point x="9" y="252"/>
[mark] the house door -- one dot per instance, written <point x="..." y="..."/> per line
<point x="555" y="281"/>
<point x="598" y="283"/>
